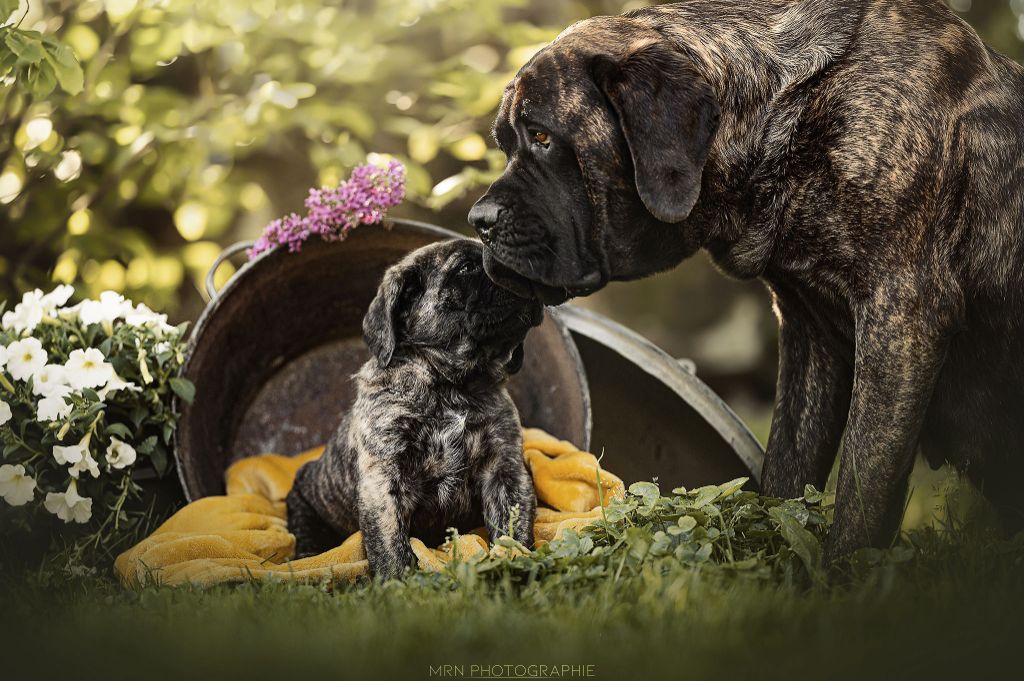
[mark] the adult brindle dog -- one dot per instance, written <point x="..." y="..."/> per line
<point x="863" y="157"/>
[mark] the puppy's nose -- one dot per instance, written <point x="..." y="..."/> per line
<point x="483" y="216"/>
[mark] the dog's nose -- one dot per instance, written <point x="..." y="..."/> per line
<point x="483" y="216"/>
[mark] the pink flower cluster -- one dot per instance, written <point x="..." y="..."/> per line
<point x="331" y="214"/>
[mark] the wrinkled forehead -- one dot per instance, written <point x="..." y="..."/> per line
<point x="555" y="85"/>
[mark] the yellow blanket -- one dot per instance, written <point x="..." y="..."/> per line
<point x="244" y="535"/>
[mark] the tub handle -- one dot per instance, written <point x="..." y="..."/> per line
<point x="231" y="250"/>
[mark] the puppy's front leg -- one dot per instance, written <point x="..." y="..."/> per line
<point x="505" y="483"/>
<point x="901" y="345"/>
<point x="383" y="519"/>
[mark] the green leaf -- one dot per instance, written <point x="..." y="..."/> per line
<point x="687" y="523"/>
<point x="7" y="8"/>
<point x="26" y="45"/>
<point x="705" y="495"/>
<point x="147" y="446"/>
<point x="732" y="486"/>
<point x="804" y="544"/>
<point x="159" y="460"/>
<point x="43" y="81"/>
<point x="119" y="429"/>
<point x="7" y="62"/>
<point x="647" y="491"/>
<point x="184" y="389"/>
<point x="66" y="68"/>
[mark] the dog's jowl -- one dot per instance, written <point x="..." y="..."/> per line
<point x="433" y="439"/>
<point x="865" y="158"/>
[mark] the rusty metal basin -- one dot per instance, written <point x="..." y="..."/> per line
<point x="653" y="418"/>
<point x="272" y="354"/>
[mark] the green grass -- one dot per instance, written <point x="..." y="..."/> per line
<point x="953" y="610"/>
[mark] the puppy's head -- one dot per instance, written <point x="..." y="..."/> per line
<point x="439" y="303"/>
<point x="606" y="131"/>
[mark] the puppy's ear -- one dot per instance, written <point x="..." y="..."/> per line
<point x="669" y="116"/>
<point x="515" y="363"/>
<point x="381" y="325"/>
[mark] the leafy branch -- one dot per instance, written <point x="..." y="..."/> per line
<point x="37" y="62"/>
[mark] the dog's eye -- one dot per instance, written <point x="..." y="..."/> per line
<point x="467" y="268"/>
<point x="542" y="138"/>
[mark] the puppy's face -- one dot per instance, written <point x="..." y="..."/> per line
<point x="438" y="299"/>
<point x="606" y="131"/>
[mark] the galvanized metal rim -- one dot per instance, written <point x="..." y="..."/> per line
<point x="662" y="366"/>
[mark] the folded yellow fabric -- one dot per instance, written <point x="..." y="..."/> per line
<point x="244" y="535"/>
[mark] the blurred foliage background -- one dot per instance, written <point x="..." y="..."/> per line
<point x="198" y="121"/>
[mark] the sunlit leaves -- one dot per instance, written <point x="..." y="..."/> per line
<point x="39" y="62"/>
<point x="182" y="106"/>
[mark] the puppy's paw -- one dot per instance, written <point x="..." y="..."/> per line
<point x="395" y="564"/>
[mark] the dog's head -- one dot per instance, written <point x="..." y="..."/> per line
<point x="438" y="303"/>
<point x="606" y="131"/>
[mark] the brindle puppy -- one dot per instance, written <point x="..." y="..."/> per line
<point x="433" y="438"/>
<point x="865" y="158"/>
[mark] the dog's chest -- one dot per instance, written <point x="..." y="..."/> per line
<point x="450" y="450"/>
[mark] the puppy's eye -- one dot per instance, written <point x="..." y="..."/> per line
<point x="467" y="268"/>
<point x="542" y="138"/>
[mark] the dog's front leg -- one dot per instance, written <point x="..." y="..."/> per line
<point x="900" y="348"/>
<point x="506" y="484"/>
<point x="383" y="519"/>
<point x="811" y="403"/>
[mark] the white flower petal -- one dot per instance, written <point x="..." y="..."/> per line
<point x="16" y="488"/>
<point x="87" y="369"/>
<point x="25" y="357"/>
<point x="120" y="454"/>
<point x="53" y="407"/>
<point x="5" y="412"/>
<point x="69" y="455"/>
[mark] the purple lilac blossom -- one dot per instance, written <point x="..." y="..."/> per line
<point x="331" y="214"/>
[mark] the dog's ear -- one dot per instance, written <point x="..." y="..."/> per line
<point x="515" y="362"/>
<point x="668" y="115"/>
<point x="383" y="320"/>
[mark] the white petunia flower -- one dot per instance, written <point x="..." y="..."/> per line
<point x="25" y="357"/>
<point x="86" y="463"/>
<point x="3" y="356"/>
<point x="144" y="317"/>
<point x="87" y="369"/>
<point x="34" y="306"/>
<point x="50" y="381"/>
<point x="57" y="297"/>
<point x="5" y="412"/>
<point x="27" y="314"/>
<point x="109" y="307"/>
<point x="72" y="454"/>
<point x="69" y="505"/>
<point x="120" y="454"/>
<point x="16" y="488"/>
<point x="70" y="313"/>
<point x="114" y="384"/>
<point x="53" y="408"/>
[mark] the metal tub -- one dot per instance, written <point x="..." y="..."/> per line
<point x="653" y="418"/>
<point x="272" y="354"/>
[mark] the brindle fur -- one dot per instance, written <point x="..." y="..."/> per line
<point x="862" y="157"/>
<point x="433" y="439"/>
